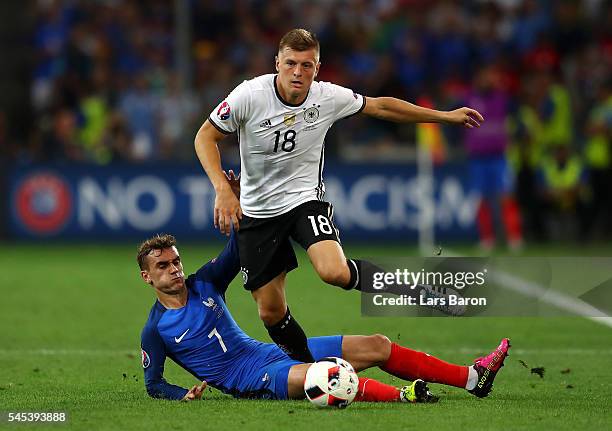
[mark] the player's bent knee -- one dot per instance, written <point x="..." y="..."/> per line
<point x="338" y="275"/>
<point x="381" y="347"/>
<point x="271" y="316"/>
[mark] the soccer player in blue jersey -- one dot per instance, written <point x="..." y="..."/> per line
<point x="191" y="324"/>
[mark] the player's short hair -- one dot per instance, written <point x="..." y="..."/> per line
<point x="157" y="242"/>
<point x="299" y="39"/>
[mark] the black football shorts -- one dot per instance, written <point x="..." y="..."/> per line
<point x="265" y="246"/>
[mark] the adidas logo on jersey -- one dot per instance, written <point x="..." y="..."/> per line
<point x="265" y="124"/>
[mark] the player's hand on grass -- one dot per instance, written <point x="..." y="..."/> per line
<point x="195" y="393"/>
<point x="227" y="210"/>
<point x="234" y="182"/>
<point x="467" y="117"/>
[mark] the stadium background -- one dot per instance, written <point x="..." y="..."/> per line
<point x="101" y="101"/>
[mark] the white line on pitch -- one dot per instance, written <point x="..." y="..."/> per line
<point x="552" y="297"/>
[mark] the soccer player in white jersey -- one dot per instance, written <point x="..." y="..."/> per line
<point x="281" y="120"/>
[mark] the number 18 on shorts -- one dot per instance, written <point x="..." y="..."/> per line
<point x="265" y="246"/>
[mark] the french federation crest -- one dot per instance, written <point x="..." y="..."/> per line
<point x="311" y="114"/>
<point x="210" y="303"/>
<point x="245" y="275"/>
<point x="289" y="120"/>
<point x="146" y="361"/>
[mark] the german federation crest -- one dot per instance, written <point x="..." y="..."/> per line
<point x="311" y="114"/>
<point x="245" y="275"/>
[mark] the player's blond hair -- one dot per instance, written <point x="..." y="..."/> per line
<point x="299" y="39"/>
<point x="157" y="242"/>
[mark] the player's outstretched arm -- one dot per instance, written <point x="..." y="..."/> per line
<point x="153" y="359"/>
<point x="227" y="206"/>
<point x="400" y="111"/>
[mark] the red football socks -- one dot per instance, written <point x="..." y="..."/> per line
<point x="512" y="219"/>
<point x="409" y="364"/>
<point x="484" y="221"/>
<point x="371" y="390"/>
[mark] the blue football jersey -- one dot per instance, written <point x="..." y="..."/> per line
<point x="203" y="338"/>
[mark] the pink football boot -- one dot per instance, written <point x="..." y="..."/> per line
<point x="487" y="367"/>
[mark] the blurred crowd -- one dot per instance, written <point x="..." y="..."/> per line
<point x="105" y="86"/>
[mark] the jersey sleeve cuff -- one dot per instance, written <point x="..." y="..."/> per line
<point x="363" y="103"/>
<point x="219" y="128"/>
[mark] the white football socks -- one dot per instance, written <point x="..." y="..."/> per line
<point x="472" y="378"/>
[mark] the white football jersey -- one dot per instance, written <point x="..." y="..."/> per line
<point x="281" y="145"/>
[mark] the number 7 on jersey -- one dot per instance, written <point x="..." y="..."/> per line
<point x="216" y="334"/>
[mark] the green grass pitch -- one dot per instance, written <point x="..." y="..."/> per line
<point x="70" y="321"/>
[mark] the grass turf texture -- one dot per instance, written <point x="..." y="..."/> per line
<point x="71" y="318"/>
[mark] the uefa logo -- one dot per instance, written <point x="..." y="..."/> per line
<point x="42" y="203"/>
<point x="224" y="111"/>
<point x="146" y="360"/>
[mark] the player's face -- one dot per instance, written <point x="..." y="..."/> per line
<point x="165" y="271"/>
<point x="296" y="72"/>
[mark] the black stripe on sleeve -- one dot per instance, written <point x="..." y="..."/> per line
<point x="363" y="104"/>
<point x="219" y="128"/>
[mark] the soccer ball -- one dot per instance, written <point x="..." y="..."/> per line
<point x="331" y="382"/>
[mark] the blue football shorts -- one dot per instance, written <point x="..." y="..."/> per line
<point x="490" y="176"/>
<point x="267" y="376"/>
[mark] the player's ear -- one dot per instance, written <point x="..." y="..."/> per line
<point x="276" y="62"/>
<point x="146" y="277"/>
